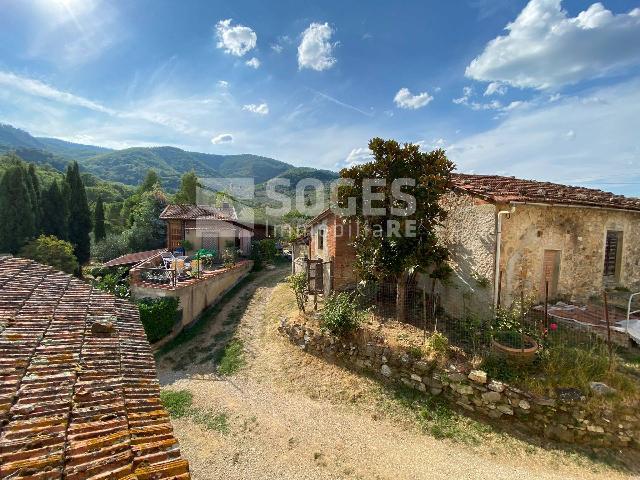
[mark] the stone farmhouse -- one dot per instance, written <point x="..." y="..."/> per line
<point x="505" y="234"/>
<point x="79" y="397"/>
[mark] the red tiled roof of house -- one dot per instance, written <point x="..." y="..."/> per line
<point x="76" y="404"/>
<point x="195" y="212"/>
<point x="509" y="189"/>
<point x="133" y="258"/>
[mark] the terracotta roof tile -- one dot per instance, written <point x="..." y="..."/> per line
<point x="194" y="212"/>
<point x="75" y="404"/>
<point x="133" y="258"/>
<point x="509" y="189"/>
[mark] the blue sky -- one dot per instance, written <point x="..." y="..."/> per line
<point x="542" y="89"/>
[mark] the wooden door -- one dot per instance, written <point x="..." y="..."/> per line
<point x="550" y="273"/>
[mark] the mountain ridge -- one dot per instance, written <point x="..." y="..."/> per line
<point x="129" y="166"/>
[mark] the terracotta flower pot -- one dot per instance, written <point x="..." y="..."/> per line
<point x="524" y="355"/>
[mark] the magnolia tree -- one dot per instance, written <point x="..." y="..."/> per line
<point x="395" y="200"/>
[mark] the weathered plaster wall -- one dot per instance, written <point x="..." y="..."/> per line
<point x="579" y="234"/>
<point x="469" y="234"/>
<point x="562" y="419"/>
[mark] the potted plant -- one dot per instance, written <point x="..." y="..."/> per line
<point x="511" y="337"/>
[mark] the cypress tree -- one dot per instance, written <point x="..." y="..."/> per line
<point x="150" y="181"/>
<point x="79" y="214"/>
<point x="17" y="219"/>
<point x="36" y="193"/>
<point x="98" y="221"/>
<point x="54" y="212"/>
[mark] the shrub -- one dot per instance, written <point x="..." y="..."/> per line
<point x="268" y="250"/>
<point x="341" y="314"/>
<point x="438" y="344"/>
<point x="51" y="251"/>
<point x="111" y="247"/>
<point x="229" y="257"/>
<point x="158" y="316"/>
<point x="115" y="283"/>
<point x="256" y="256"/>
<point x="298" y="283"/>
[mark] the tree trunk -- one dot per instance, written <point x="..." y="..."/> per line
<point x="401" y="297"/>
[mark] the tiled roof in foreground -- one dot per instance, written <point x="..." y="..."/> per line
<point x="76" y="404"/>
<point x="509" y="189"/>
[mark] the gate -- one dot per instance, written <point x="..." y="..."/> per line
<point x="318" y="278"/>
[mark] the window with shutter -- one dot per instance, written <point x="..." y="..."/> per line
<point x="612" y="251"/>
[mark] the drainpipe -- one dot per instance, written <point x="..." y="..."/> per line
<point x="498" y="242"/>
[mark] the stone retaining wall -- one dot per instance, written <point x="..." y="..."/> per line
<point x="563" y="419"/>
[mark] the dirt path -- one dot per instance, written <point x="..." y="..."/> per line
<point x="289" y="415"/>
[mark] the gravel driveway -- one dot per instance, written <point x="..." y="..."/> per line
<point x="292" y="416"/>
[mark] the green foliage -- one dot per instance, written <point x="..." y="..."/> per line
<point x="17" y="218"/>
<point x="438" y="343"/>
<point x="55" y="212"/>
<point x="511" y="319"/>
<point x="148" y="231"/>
<point x="98" y="221"/>
<point x="51" y="251"/>
<point x="298" y="283"/>
<point x="36" y="193"/>
<point x="341" y="314"/>
<point x="188" y="189"/>
<point x="158" y="316"/>
<point x="112" y="246"/>
<point x="268" y="250"/>
<point x="378" y="253"/>
<point x="229" y="257"/>
<point x="232" y="358"/>
<point x="151" y="181"/>
<point x="256" y="256"/>
<point x="115" y="282"/>
<point x="177" y="402"/>
<point x="79" y="214"/>
<point x="187" y="245"/>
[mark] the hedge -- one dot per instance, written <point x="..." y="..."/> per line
<point x="158" y="316"/>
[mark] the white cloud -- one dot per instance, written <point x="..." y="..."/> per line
<point x="316" y="50"/>
<point x="356" y="156"/>
<point x="37" y="88"/>
<point x="222" y="138"/>
<point x="253" y="63"/>
<point x="236" y="40"/>
<point x="545" y="48"/>
<point x="223" y="84"/>
<point x="536" y="142"/>
<point x="276" y="47"/>
<point x="260" y="109"/>
<point x="405" y="99"/>
<point x="467" y="100"/>
<point x="495" y="88"/>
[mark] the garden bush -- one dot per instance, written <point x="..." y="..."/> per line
<point x="341" y="314"/>
<point x="298" y="283"/>
<point x="158" y="316"/>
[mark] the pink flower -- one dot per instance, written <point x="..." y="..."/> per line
<point x="553" y="326"/>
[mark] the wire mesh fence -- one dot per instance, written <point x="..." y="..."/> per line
<point x="525" y="323"/>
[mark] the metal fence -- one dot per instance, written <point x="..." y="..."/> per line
<point x="601" y="320"/>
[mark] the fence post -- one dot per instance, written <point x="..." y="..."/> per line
<point x="606" y="317"/>
<point x="424" y="312"/>
<point x="522" y="319"/>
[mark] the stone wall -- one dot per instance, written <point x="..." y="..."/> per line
<point x="565" y="418"/>
<point x="579" y="234"/>
<point x="469" y="234"/>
